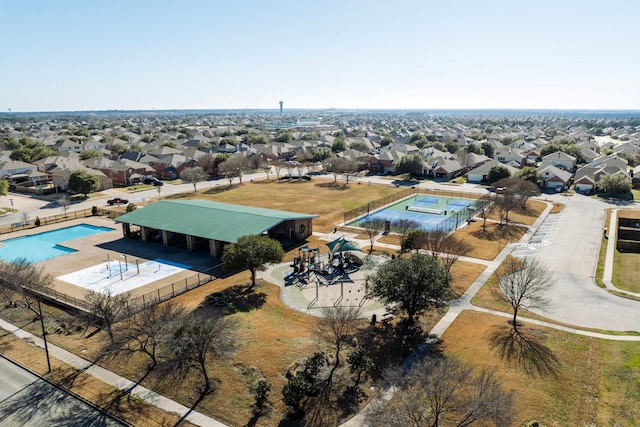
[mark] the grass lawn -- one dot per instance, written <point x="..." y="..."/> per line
<point x="526" y="215"/>
<point x="584" y="381"/>
<point x="325" y="198"/>
<point x="626" y="270"/>
<point x="487" y="244"/>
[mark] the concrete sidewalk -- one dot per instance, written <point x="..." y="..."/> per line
<point x="114" y="380"/>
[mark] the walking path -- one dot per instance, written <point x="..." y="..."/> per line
<point x="114" y="380"/>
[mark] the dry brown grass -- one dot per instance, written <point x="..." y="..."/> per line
<point x="487" y="244"/>
<point x="526" y="216"/>
<point x="464" y="274"/>
<point x="565" y="394"/>
<point x="557" y="208"/>
<point x="320" y="197"/>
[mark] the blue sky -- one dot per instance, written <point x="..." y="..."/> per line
<point x="191" y="54"/>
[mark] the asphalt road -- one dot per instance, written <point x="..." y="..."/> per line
<point x="28" y="401"/>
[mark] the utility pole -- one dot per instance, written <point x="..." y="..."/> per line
<point x="44" y="336"/>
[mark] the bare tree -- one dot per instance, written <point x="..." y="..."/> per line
<point x="64" y="203"/>
<point x="198" y="339"/>
<point x="23" y="283"/>
<point x="505" y="203"/>
<point x="233" y="167"/>
<point x="445" y="392"/>
<point x="208" y="163"/>
<point x="25" y="219"/>
<point x="340" y="165"/>
<point x="524" y="284"/>
<point x="193" y="175"/>
<point x="485" y="212"/>
<point x="336" y="327"/>
<point x="373" y="227"/>
<point x="520" y="189"/>
<point x="446" y="248"/>
<point x="146" y="331"/>
<point x="105" y="309"/>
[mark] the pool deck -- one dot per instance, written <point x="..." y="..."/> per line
<point x="98" y="248"/>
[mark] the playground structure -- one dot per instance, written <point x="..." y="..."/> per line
<point x="313" y="269"/>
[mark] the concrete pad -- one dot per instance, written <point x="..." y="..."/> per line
<point x="115" y="277"/>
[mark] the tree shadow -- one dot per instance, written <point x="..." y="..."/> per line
<point x="391" y="344"/>
<point x="235" y="299"/>
<point x="40" y="401"/>
<point x="333" y="185"/>
<point x="524" y="350"/>
<point x="349" y="401"/>
<point x="496" y="232"/>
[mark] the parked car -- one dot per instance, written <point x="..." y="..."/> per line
<point x="117" y="201"/>
<point x="153" y="181"/>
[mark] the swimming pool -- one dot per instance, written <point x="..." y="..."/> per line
<point x="41" y="246"/>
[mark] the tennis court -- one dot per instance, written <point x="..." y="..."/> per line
<point x="431" y="213"/>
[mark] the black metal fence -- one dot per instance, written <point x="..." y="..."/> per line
<point x="140" y="302"/>
<point x="407" y="192"/>
<point x="55" y="219"/>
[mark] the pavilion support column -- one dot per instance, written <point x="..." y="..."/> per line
<point x="190" y="242"/>
<point x="214" y="248"/>
<point x="165" y="238"/>
<point x="144" y="233"/>
<point x="126" y="230"/>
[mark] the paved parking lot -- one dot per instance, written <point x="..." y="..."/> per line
<point x="569" y="244"/>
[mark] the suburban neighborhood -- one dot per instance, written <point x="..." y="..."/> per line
<point x="276" y="236"/>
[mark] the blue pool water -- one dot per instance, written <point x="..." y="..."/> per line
<point x="41" y="246"/>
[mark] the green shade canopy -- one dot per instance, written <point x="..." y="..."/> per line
<point x="343" y="245"/>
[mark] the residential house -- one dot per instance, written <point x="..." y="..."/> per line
<point x="442" y="167"/>
<point x="560" y="160"/>
<point x="15" y="167"/>
<point x="481" y="173"/>
<point x="69" y="145"/>
<point x="387" y="162"/>
<point x="510" y="156"/>
<point x="554" y="178"/>
<point x="122" y="172"/>
<point x="587" y="177"/>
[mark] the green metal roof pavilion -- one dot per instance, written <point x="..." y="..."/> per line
<point x="210" y="220"/>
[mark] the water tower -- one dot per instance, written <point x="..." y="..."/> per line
<point x="281" y="107"/>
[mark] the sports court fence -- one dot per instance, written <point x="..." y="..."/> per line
<point x="478" y="202"/>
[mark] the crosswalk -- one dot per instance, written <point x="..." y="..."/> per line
<point x="543" y="236"/>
